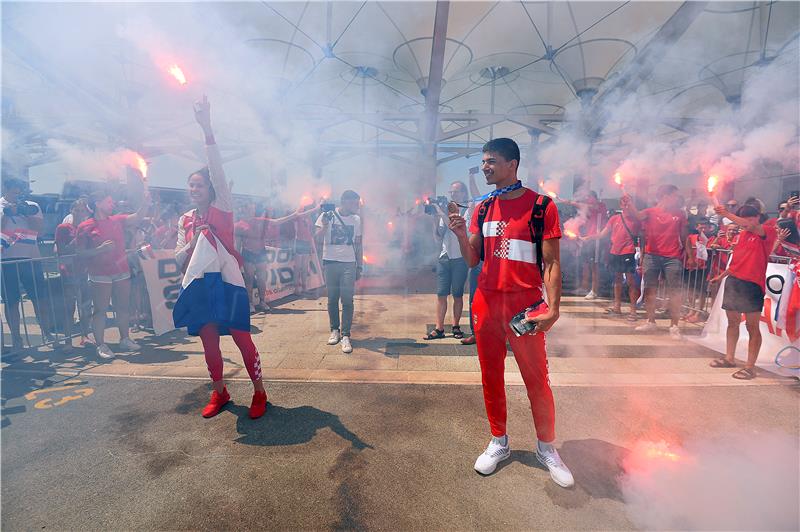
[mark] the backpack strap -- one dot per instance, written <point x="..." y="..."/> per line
<point x="483" y="210"/>
<point x="536" y="226"/>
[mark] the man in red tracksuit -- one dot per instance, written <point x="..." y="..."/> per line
<point x="509" y="282"/>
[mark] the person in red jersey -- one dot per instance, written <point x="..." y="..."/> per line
<point x="745" y="285"/>
<point x="100" y="240"/>
<point x="665" y="230"/>
<point x="517" y="232"/>
<point x="624" y="232"/>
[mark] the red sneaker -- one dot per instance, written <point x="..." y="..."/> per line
<point x="217" y="401"/>
<point x="259" y="405"/>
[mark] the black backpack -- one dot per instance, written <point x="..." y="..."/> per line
<point x="535" y="224"/>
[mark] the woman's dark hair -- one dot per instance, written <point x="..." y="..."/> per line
<point x="204" y="173"/>
<point x="95" y="196"/>
<point x="747" y="211"/>
<point x="350" y="195"/>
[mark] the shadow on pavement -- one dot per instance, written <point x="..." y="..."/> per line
<point x="377" y="344"/>
<point x="595" y="464"/>
<point x="290" y="426"/>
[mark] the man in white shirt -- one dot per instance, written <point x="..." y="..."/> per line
<point x="342" y="259"/>
<point x="451" y="269"/>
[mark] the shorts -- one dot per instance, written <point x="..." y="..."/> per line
<point x="742" y="296"/>
<point x="589" y="252"/>
<point x="254" y="257"/>
<point x="622" y="263"/>
<point x="108" y="279"/>
<point x="670" y="267"/>
<point x="451" y="275"/>
<point x="18" y="274"/>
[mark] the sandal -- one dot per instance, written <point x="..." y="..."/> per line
<point x="721" y="363"/>
<point x="632" y="317"/>
<point x="435" y="334"/>
<point x="457" y="332"/>
<point x="612" y="310"/>
<point x="745" y="374"/>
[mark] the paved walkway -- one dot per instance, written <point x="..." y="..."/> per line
<point x="385" y="438"/>
<point x="585" y="348"/>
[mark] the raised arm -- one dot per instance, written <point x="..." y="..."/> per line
<point x="224" y="199"/>
<point x="630" y="209"/>
<point x="473" y="186"/>
<point x="748" y="224"/>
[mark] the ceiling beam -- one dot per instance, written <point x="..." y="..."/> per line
<point x="641" y="66"/>
<point x="433" y="91"/>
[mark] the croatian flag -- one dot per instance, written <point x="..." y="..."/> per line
<point x="212" y="290"/>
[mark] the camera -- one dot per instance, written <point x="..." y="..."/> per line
<point x="431" y="205"/>
<point x="327" y="207"/>
<point x="518" y="323"/>
<point x="23" y="209"/>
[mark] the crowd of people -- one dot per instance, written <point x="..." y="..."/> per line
<point x="505" y="245"/>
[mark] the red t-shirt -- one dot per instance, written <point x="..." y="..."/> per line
<point x="65" y="235"/>
<point x="621" y="241"/>
<point x="662" y="232"/>
<point x="93" y="232"/>
<point x="509" y="255"/>
<point x="255" y="233"/>
<point x="595" y="218"/>
<point x="166" y="237"/>
<point x="751" y="255"/>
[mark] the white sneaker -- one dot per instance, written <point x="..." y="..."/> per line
<point x="559" y="472"/>
<point x="590" y="296"/>
<point x="347" y="347"/>
<point x="126" y="344"/>
<point x="675" y="332"/>
<point x="495" y="453"/>
<point x="104" y="351"/>
<point x="647" y="326"/>
<point x="334" y="339"/>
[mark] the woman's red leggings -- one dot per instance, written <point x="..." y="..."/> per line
<point x="209" y="334"/>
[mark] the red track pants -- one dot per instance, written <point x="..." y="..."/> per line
<point x="209" y="334"/>
<point x="492" y="311"/>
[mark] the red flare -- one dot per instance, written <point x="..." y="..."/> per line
<point x="712" y="183"/>
<point x="177" y="73"/>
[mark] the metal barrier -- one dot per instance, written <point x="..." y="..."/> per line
<point x="697" y="289"/>
<point x="40" y="297"/>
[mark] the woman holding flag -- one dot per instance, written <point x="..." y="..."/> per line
<point x="213" y="299"/>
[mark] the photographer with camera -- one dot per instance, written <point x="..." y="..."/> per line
<point x="21" y="221"/>
<point x="517" y="233"/>
<point x="451" y="269"/>
<point x="342" y="261"/>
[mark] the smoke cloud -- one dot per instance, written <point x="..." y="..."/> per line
<point x="744" y="482"/>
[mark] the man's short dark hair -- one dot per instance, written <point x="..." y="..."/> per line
<point x="350" y="195"/>
<point x="665" y="190"/>
<point x="505" y="147"/>
<point x="748" y="211"/>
